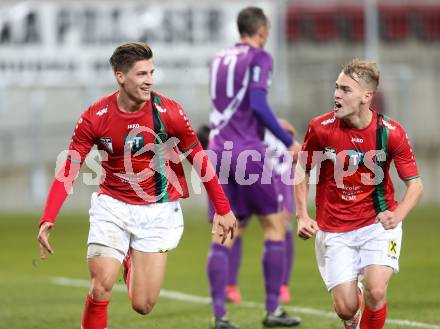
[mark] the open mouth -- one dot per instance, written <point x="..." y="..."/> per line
<point x="338" y="105"/>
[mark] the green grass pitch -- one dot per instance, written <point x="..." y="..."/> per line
<point x="30" y="299"/>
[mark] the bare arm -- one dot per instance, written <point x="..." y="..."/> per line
<point x="287" y="126"/>
<point x="301" y="191"/>
<point x="390" y="219"/>
<point x="412" y="196"/>
<point x="307" y="227"/>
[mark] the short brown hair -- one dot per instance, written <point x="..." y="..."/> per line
<point x="250" y="19"/>
<point x="362" y="69"/>
<point x="129" y="53"/>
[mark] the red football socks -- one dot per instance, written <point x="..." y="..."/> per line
<point x="374" y="319"/>
<point x="95" y="314"/>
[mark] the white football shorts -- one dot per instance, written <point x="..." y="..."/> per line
<point x="341" y="257"/>
<point x="154" y="227"/>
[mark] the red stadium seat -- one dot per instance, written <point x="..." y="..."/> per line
<point x="294" y="28"/>
<point x="426" y="21"/>
<point x="397" y="23"/>
<point x="394" y="22"/>
<point x="311" y="22"/>
<point x="351" y="23"/>
<point x="324" y="24"/>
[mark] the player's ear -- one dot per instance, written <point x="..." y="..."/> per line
<point x="120" y="77"/>
<point x="367" y="97"/>
<point x="261" y="32"/>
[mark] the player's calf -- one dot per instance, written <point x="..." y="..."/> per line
<point x="355" y="321"/>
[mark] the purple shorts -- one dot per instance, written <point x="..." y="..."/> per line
<point x="249" y="196"/>
<point x="288" y="198"/>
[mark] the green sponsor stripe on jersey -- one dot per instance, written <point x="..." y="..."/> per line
<point x="381" y="144"/>
<point x="160" y="178"/>
<point x="73" y="160"/>
<point x="190" y="147"/>
<point x="411" y="178"/>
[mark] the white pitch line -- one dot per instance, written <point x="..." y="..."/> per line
<point x="175" y="295"/>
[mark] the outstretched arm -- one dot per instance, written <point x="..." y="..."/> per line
<point x="190" y="145"/>
<point x="82" y="142"/>
<point x="60" y="188"/>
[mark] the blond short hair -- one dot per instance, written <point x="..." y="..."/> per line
<point x="364" y="70"/>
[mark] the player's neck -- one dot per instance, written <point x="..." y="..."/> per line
<point x="360" y="120"/>
<point x="126" y="104"/>
<point x="250" y="41"/>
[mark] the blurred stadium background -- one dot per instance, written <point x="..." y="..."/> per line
<point x="54" y="64"/>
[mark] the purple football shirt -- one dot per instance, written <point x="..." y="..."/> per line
<point x="233" y="72"/>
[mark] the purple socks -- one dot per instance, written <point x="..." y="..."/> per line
<point x="217" y="268"/>
<point x="234" y="261"/>
<point x="223" y="267"/>
<point x="273" y="269"/>
<point x="289" y="256"/>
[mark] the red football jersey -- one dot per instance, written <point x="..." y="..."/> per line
<point x="143" y="149"/>
<point x="354" y="183"/>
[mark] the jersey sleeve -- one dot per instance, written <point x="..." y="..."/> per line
<point x="260" y="106"/>
<point x="80" y="145"/>
<point x="309" y="148"/>
<point x="83" y="138"/>
<point x="188" y="143"/>
<point x="403" y="155"/>
<point x="204" y="168"/>
<point x="182" y="129"/>
<point x="261" y="70"/>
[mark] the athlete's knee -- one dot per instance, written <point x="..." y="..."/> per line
<point x="274" y="227"/>
<point x="101" y="290"/>
<point x="274" y="232"/>
<point x="143" y="308"/>
<point x="345" y="311"/>
<point x="376" y="295"/>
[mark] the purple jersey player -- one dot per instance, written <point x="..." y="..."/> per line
<point x="239" y="81"/>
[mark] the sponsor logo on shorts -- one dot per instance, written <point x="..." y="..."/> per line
<point x="392" y="249"/>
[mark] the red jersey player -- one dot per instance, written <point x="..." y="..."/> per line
<point x="358" y="223"/>
<point x="145" y="136"/>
